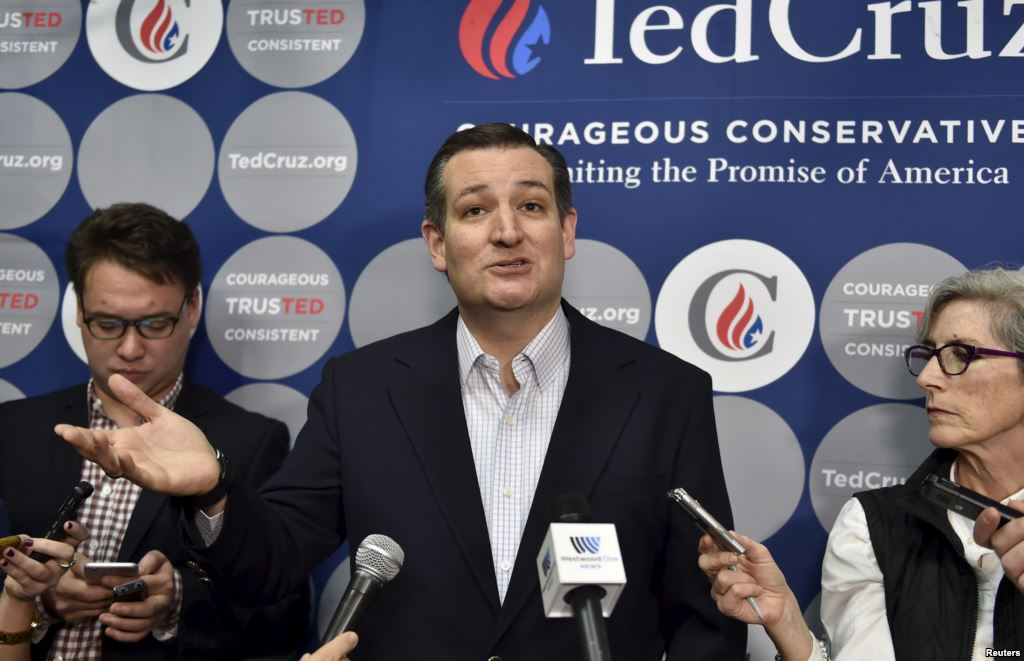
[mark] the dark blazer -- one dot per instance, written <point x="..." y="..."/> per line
<point x="38" y="469"/>
<point x="386" y="450"/>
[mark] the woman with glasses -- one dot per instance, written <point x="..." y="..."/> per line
<point x="904" y="578"/>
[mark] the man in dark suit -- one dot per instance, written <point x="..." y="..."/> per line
<point x="453" y="439"/>
<point x="135" y="272"/>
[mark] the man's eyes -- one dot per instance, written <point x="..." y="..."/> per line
<point x="108" y="324"/>
<point x="156" y="323"/>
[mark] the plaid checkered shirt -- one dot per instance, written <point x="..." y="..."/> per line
<point x="105" y="516"/>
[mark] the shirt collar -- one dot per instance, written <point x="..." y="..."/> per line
<point x="546" y="352"/>
<point x="95" y="406"/>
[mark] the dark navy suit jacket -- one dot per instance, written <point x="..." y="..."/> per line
<point x="386" y="450"/>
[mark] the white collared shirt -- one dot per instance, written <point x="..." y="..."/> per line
<point x="509" y="435"/>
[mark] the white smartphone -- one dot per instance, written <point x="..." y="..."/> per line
<point x="94" y="571"/>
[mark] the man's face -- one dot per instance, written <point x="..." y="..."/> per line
<point x="153" y="365"/>
<point x="503" y="247"/>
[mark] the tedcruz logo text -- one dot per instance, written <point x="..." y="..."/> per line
<point x="500" y="46"/>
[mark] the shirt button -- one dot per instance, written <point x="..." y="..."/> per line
<point x="106" y="490"/>
<point x="507" y="492"/>
<point x="506" y="566"/>
<point x="510" y="420"/>
<point x="93" y="544"/>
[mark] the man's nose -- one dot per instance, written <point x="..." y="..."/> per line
<point x="507" y="229"/>
<point x="130" y="346"/>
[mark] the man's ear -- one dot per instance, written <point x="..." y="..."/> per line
<point x="194" y="309"/>
<point x="435" y="244"/>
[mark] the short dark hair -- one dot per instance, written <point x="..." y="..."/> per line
<point x="490" y="136"/>
<point x="138" y="237"/>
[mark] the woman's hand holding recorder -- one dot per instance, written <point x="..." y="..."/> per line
<point x="734" y="578"/>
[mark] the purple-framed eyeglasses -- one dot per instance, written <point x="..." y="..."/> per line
<point x="953" y="357"/>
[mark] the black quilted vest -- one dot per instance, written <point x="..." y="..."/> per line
<point x="931" y="595"/>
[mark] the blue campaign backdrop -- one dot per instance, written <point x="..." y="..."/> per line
<point x="774" y="89"/>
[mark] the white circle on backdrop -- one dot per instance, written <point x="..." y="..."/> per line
<point x="35" y="158"/>
<point x="398" y="291"/>
<point x="275" y="307"/>
<point x="334" y="590"/>
<point x="608" y="287"/>
<point x="147" y="148"/>
<point x="9" y="391"/>
<point x="872" y="309"/>
<point x="752" y="436"/>
<point x="273" y="400"/>
<point x="874" y="447"/>
<point x="153" y="45"/>
<point x="293" y="43"/>
<point x="287" y="162"/>
<point x="36" y="39"/>
<point x="29" y="293"/>
<point x="739" y="309"/>
<point x="69" y="321"/>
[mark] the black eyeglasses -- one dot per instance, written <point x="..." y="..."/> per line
<point x="151" y="328"/>
<point x="953" y="357"/>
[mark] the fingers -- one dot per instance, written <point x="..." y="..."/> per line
<point x="715" y="561"/>
<point x="132" y="621"/>
<point x="985" y="525"/>
<point x="152" y="562"/>
<point x="123" y="636"/>
<point x="136" y="616"/>
<point x="92" y="444"/>
<point x="72" y="588"/>
<point x="76" y="533"/>
<point x="133" y="397"/>
<point x="336" y="650"/>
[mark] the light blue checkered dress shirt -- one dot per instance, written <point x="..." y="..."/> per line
<point x="509" y="435"/>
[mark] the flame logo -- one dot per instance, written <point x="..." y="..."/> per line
<point x="475" y="27"/>
<point x="739" y="327"/>
<point x="159" y="32"/>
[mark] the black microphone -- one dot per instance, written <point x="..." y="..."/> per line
<point x="378" y="560"/>
<point x="585" y="599"/>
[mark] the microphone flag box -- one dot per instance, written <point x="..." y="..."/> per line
<point x="578" y="554"/>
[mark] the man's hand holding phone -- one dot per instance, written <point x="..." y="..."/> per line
<point x="1006" y="539"/>
<point x="74" y="599"/>
<point x="130" y="621"/>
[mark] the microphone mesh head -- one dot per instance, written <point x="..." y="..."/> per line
<point x="380" y="555"/>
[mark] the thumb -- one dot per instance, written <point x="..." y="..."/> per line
<point x="133" y="397"/>
<point x="756" y="551"/>
<point x="985" y="525"/>
<point x="151" y="562"/>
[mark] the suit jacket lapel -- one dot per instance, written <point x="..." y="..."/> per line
<point x="150" y="502"/>
<point x="597" y="402"/>
<point x="428" y="400"/>
<point x="67" y="464"/>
